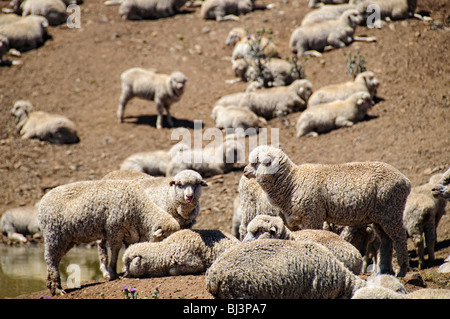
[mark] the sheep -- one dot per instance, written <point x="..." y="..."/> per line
<point x="53" y="10"/>
<point x="20" y="221"/>
<point x="237" y="217"/>
<point x="350" y="194"/>
<point x="363" y="82"/>
<point x="309" y="39"/>
<point x="49" y="127"/>
<point x="390" y="9"/>
<point x="26" y="33"/>
<point x="326" y="12"/>
<point x="179" y="195"/>
<point x="275" y="268"/>
<point x="184" y="252"/>
<point x="442" y="188"/>
<point x="236" y="117"/>
<point x="222" y="10"/>
<point x="149" y="9"/>
<point x="278" y="100"/>
<point x="328" y="116"/>
<point x="243" y="45"/>
<point x="429" y="293"/>
<point x="163" y="89"/>
<point x="267" y="227"/>
<point x="318" y="3"/>
<point x="112" y="211"/>
<point x="153" y="163"/>
<point x="421" y="216"/>
<point x="235" y="98"/>
<point x="208" y="161"/>
<point x="274" y="72"/>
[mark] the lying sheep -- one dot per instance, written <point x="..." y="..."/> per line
<point x="325" y="12"/>
<point x="278" y="100"/>
<point x="146" y="84"/>
<point x="442" y="188"/>
<point x="318" y="3"/>
<point x="272" y="227"/>
<point x="44" y="126"/>
<point x="273" y="268"/>
<point x="364" y="82"/>
<point x="179" y="195"/>
<point x="153" y="163"/>
<point x="53" y="10"/>
<point x="184" y="252"/>
<point x="149" y="9"/>
<point x="20" y="221"/>
<point x="207" y="161"/>
<point x="27" y="33"/>
<point x="112" y="211"/>
<point x="389" y="9"/>
<point x="275" y="72"/>
<point x="309" y="39"/>
<point x="421" y="216"/>
<point x="350" y="194"/>
<point x="221" y="10"/>
<point x="329" y="116"/>
<point x="235" y="98"/>
<point x="235" y="117"/>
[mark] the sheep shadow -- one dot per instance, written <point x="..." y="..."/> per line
<point x="151" y="121"/>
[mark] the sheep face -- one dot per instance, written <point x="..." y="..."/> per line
<point x="304" y="89"/>
<point x="240" y="68"/>
<point x="235" y="35"/>
<point x="352" y="17"/>
<point x="187" y="186"/>
<point x="178" y="82"/>
<point x="245" y="6"/>
<point x="264" y="162"/>
<point x="21" y="109"/>
<point x="442" y="189"/>
<point x="264" y="227"/>
<point x="370" y="81"/>
<point x="363" y="101"/>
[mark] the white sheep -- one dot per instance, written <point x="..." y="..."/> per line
<point x="149" y="9"/>
<point x="272" y="227"/>
<point x="328" y="116"/>
<point x="325" y="12"/>
<point x="390" y="9"/>
<point x="310" y="39"/>
<point x="270" y="102"/>
<point x="235" y="98"/>
<point x="442" y="188"/>
<point x="421" y="217"/>
<point x="44" y="126"/>
<point x="20" y="221"/>
<point x="350" y="194"/>
<point x="53" y="10"/>
<point x="319" y="3"/>
<point x="112" y="211"/>
<point x="235" y="117"/>
<point x="154" y="162"/>
<point x="273" y="268"/>
<point x="221" y="10"/>
<point x="363" y="82"/>
<point x="184" y="252"/>
<point x="163" y="89"/>
<point x="178" y="195"/>
<point x="26" y="33"/>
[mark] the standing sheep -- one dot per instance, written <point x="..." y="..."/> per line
<point x="421" y="216"/>
<point x="272" y="227"/>
<point x="44" y="126"/>
<point x="352" y="194"/>
<point x="364" y="82"/>
<point x="146" y="84"/>
<point x="184" y="252"/>
<point x="20" y="221"/>
<point x="112" y="211"/>
<point x="26" y="33"/>
<point x="328" y="116"/>
<point x="149" y="9"/>
<point x="442" y="188"/>
<point x="273" y="268"/>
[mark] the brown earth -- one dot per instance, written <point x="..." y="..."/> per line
<point x="76" y="73"/>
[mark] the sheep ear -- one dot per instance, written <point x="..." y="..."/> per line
<point x="158" y="233"/>
<point x="172" y="182"/>
<point x="203" y="183"/>
<point x="273" y="229"/>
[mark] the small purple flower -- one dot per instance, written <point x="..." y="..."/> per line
<point x="133" y="290"/>
<point x="125" y="288"/>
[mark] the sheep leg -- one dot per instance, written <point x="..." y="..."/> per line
<point x="385" y="252"/>
<point x="314" y="53"/>
<point x="397" y="236"/>
<point x="160" y="109"/>
<point x="169" y="117"/>
<point x="365" y="39"/>
<point x="17" y="237"/>
<point x="124" y="98"/>
<point x="115" y="248"/>
<point x="430" y="239"/>
<point x="343" y="122"/>
<point x="103" y="256"/>
<point x="53" y="255"/>
<point x="419" y="244"/>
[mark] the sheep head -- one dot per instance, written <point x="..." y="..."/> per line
<point x="187" y="186"/>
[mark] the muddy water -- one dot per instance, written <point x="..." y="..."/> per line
<point x="23" y="269"/>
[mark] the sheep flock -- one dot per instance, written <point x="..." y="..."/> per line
<point x="313" y="212"/>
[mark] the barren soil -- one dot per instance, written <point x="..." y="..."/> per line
<point x="76" y="73"/>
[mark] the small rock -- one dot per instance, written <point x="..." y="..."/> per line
<point x="414" y="278"/>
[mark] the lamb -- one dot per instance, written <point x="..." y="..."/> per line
<point x="153" y="163"/>
<point x="363" y="82"/>
<point x="179" y="195"/>
<point x="149" y="9"/>
<point x="27" y="33"/>
<point x="53" y="128"/>
<point x="278" y="100"/>
<point x="112" y="211"/>
<point x="391" y="9"/>
<point x="328" y="116"/>
<point x="309" y="39"/>
<point x="350" y="194"/>
<point x="235" y="117"/>
<point x="53" y="10"/>
<point x="442" y="189"/>
<point x="272" y="227"/>
<point x="184" y="252"/>
<point x="20" y="221"/>
<point x="326" y="12"/>
<point x="222" y="10"/>
<point x="421" y="216"/>
<point x="273" y="268"/>
<point x="163" y="89"/>
<point x="276" y="72"/>
<point x="208" y="161"/>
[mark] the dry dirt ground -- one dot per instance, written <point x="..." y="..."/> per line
<point x="76" y="73"/>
